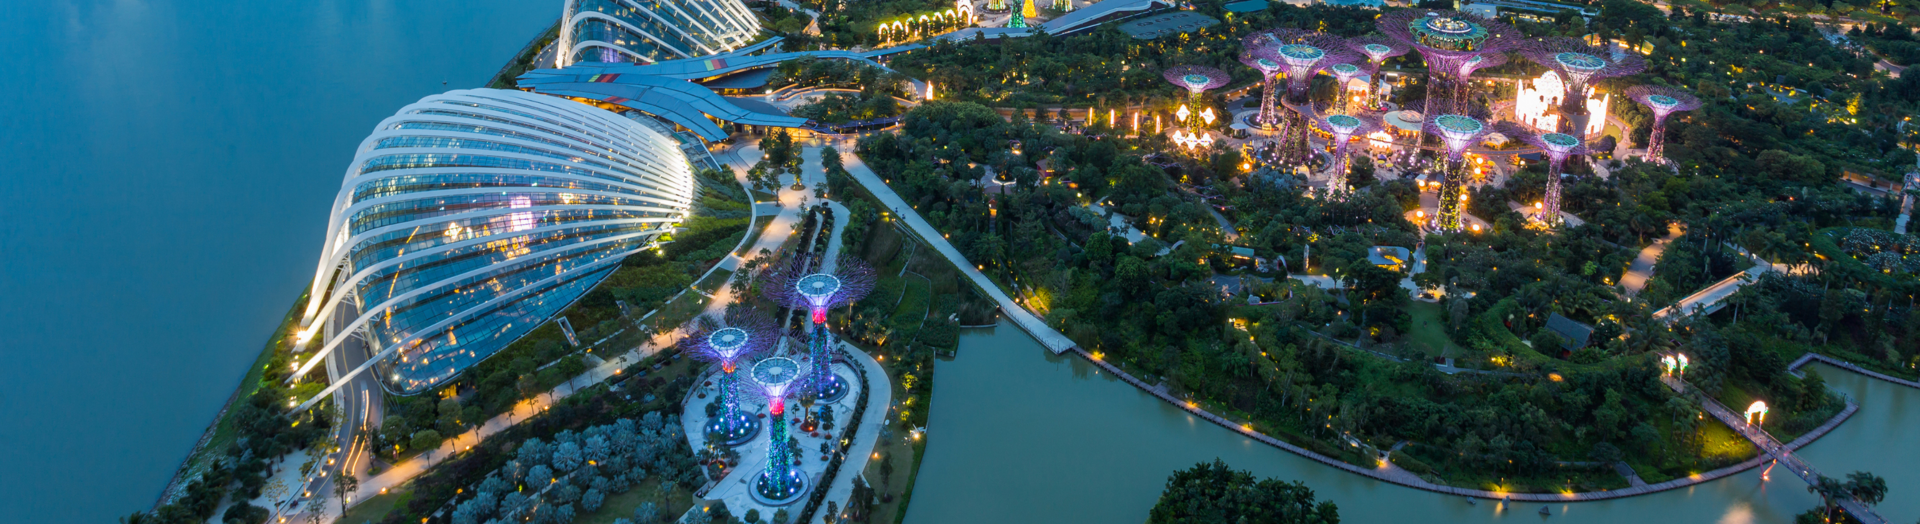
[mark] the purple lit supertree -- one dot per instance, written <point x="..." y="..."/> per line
<point x="1446" y="40"/>
<point x="1458" y="132"/>
<point x="1269" y="71"/>
<point x="1345" y="74"/>
<point x="1465" y="74"/>
<point x="818" y="292"/>
<point x="1579" y="65"/>
<point x="1558" y="147"/>
<point x="1343" y="128"/>
<point x="780" y="483"/>
<point x="1377" y="50"/>
<point x="1663" y="101"/>
<point x="1302" y="53"/>
<point x="726" y="341"/>
<point x="1196" y="80"/>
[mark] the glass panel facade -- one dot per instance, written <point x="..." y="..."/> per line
<point x="647" y="31"/>
<point x="472" y="217"/>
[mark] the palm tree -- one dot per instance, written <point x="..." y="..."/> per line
<point x="1829" y="490"/>
<point x="1866" y="487"/>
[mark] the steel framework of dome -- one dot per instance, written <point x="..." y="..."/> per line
<point x="471" y="217"/>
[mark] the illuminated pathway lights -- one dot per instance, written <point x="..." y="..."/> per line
<point x="726" y="344"/>
<point x="780" y="483"/>
<point x="1459" y="132"/>
<point x="1663" y="101"/>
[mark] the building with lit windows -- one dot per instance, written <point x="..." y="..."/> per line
<point x="1534" y="101"/>
<point x="644" y="32"/>
<point x="470" y="217"/>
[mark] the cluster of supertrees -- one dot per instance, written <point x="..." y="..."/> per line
<point x="1454" y="45"/>
<point x="744" y="339"/>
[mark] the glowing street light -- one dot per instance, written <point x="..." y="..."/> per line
<point x="1757" y="413"/>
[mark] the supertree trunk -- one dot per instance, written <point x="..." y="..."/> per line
<point x="1267" y="116"/>
<point x="1448" y="217"/>
<point x="1338" y="184"/>
<point x="1293" y="140"/>
<point x="827" y="386"/>
<point x="779" y="457"/>
<point x="1657" y="141"/>
<point x="1550" y="207"/>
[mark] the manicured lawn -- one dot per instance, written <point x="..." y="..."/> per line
<point x="1428" y="332"/>
<point x="376" y="508"/>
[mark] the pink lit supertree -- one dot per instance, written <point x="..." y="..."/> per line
<point x="849" y="281"/>
<point x="1377" y="49"/>
<point x="1302" y="53"/>
<point x="1663" y="101"/>
<point x="1458" y="132"/>
<point x="727" y="340"/>
<point x="780" y="483"/>
<point x="1579" y="65"/>
<point x="1446" y="40"/>
<point x="1345" y="74"/>
<point x="1558" y="147"/>
<point x="1269" y="72"/>
<point x="1343" y="128"/>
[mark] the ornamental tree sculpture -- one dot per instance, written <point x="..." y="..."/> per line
<point x="1458" y="132"/>
<point x="1663" y="101"/>
<point x="726" y="341"/>
<point x="1196" y="80"/>
<point x="1377" y="49"/>
<point x="817" y="292"/>
<point x="1269" y="72"/>
<point x="1446" y="40"/>
<point x="1301" y="53"/>
<point x="1579" y="65"/>
<point x="1345" y="74"/>
<point x="780" y="483"/>
<point x="1465" y="74"/>
<point x="1558" y="147"/>
<point x="1343" y="128"/>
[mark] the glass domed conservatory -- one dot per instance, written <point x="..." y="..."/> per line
<point x="651" y="31"/>
<point x="471" y="217"/>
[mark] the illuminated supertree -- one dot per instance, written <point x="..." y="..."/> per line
<point x="1269" y="71"/>
<point x="996" y="6"/>
<point x="1446" y="40"/>
<point x="1377" y="50"/>
<point x="818" y="292"/>
<point x="1343" y="128"/>
<point x="1345" y="74"/>
<point x="1579" y="65"/>
<point x="1018" y="19"/>
<point x="725" y="342"/>
<point x="1663" y="101"/>
<point x="1458" y="132"/>
<point x="1558" y="147"/>
<point x="1302" y="53"/>
<point x="780" y="483"/>
<point x="1467" y="68"/>
<point x="1196" y="80"/>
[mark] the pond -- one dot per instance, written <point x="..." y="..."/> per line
<point x="1020" y="435"/>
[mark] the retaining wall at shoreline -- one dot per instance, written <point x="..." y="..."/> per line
<point x="1402" y="477"/>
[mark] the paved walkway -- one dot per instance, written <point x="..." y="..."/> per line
<point x="1641" y="269"/>
<point x="1053" y="340"/>
<point x="1387" y="472"/>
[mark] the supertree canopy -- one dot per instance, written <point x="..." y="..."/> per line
<point x="1579" y="64"/>
<point x="1558" y="147"/>
<point x="817" y="292"/>
<point x="1663" y="101"/>
<point x="1377" y="49"/>
<point x="1446" y="40"/>
<point x="1458" y="132"/>
<point x="780" y="483"/>
<point x="1269" y="71"/>
<point x="1343" y="128"/>
<point x="726" y="341"/>
<point x="1196" y="79"/>
<point x="1467" y="68"/>
<point x="1302" y="54"/>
